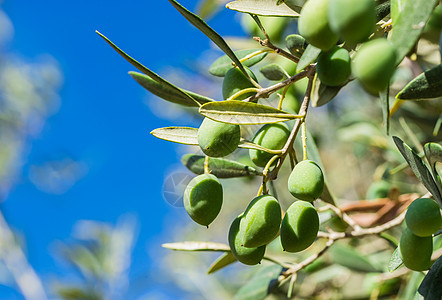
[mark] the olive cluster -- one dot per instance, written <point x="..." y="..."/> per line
<point x="326" y="23"/>
<point x="423" y="219"/>
<point x="262" y="220"/>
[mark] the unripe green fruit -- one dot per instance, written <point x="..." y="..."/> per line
<point x="374" y="64"/>
<point x="378" y="189"/>
<point x="260" y="222"/>
<point x="416" y="251"/>
<point x="235" y="81"/>
<point x="248" y="256"/>
<point x="290" y="103"/>
<point x="334" y="66"/>
<point x="306" y="181"/>
<point x="218" y="139"/>
<point x="270" y="136"/>
<point x="313" y="24"/>
<point x="203" y="198"/>
<point x="299" y="227"/>
<point x="423" y="217"/>
<point x="352" y="20"/>
<point x="296" y="44"/>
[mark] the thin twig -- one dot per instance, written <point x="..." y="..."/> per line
<point x="268" y="44"/>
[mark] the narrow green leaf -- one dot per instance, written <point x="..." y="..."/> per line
<point x="239" y="112"/>
<point x="433" y="153"/>
<point x="274" y="72"/>
<point x="427" y="85"/>
<point x="322" y="94"/>
<point x="197" y="246"/>
<point x="180" y="135"/>
<point x="382" y="10"/>
<point x="220" y="167"/>
<point x="409" y="19"/>
<point x="296" y="44"/>
<point x="168" y="93"/>
<point x="148" y="72"/>
<point x="261" y="284"/>
<point x="384" y="96"/>
<point x="209" y="32"/>
<point x="395" y="261"/>
<point x="263" y="8"/>
<point x="430" y="287"/>
<point x="348" y="257"/>
<point x="310" y="54"/>
<point x="224" y="63"/>
<point x="418" y="168"/>
<point x="223" y="261"/>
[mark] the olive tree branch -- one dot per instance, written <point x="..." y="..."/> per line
<point x="345" y="217"/>
<point x="267" y="43"/>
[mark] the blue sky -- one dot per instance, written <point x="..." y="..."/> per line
<point x="102" y="121"/>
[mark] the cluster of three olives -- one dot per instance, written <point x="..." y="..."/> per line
<point x="423" y="219"/>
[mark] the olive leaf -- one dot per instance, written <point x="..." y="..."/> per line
<point x="427" y="85"/>
<point x="188" y="100"/>
<point x="382" y="10"/>
<point x="419" y="169"/>
<point x="395" y="261"/>
<point x="430" y="286"/>
<point x="384" y="96"/>
<point x="197" y="246"/>
<point x="239" y="112"/>
<point x="409" y="19"/>
<point x="180" y="135"/>
<point x="274" y="72"/>
<point x="348" y="257"/>
<point x="310" y="54"/>
<point x="264" y="8"/>
<point x="261" y="284"/>
<point x="220" y="167"/>
<point x="223" y="261"/>
<point x="296" y="44"/>
<point x="224" y="63"/>
<point x="168" y="93"/>
<point x="209" y="32"/>
<point x="322" y="94"/>
<point x="433" y="153"/>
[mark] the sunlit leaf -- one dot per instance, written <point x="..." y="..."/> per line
<point x="418" y="168"/>
<point x="310" y="54"/>
<point x="220" y="167"/>
<point x="385" y="104"/>
<point x="395" y="261"/>
<point x="197" y="246"/>
<point x="409" y="19"/>
<point x="168" y="93"/>
<point x="261" y="284"/>
<point x="181" y="135"/>
<point x="274" y="72"/>
<point x="223" y="261"/>
<point x="148" y="72"/>
<point x="209" y="32"/>
<point x="427" y="85"/>
<point x="263" y="8"/>
<point x="224" y="63"/>
<point x="239" y="112"/>
<point x="430" y="287"/>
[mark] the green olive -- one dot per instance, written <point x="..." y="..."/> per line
<point x="299" y="227"/>
<point x="378" y="189"/>
<point x="248" y="256"/>
<point x="203" y="198"/>
<point x="334" y="66"/>
<point x="306" y="181"/>
<point x="416" y="251"/>
<point x="313" y="24"/>
<point x="260" y="222"/>
<point x="374" y="64"/>
<point x="270" y="136"/>
<point x="235" y="81"/>
<point x="218" y="139"/>
<point x="352" y="20"/>
<point x="423" y="217"/>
